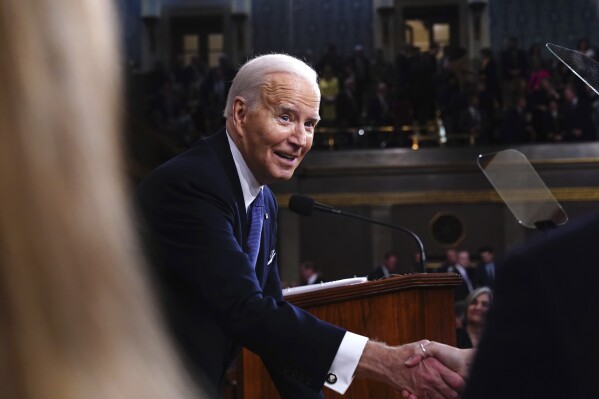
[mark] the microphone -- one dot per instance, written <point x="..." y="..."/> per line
<point x="304" y="205"/>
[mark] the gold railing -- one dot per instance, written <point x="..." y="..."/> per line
<point x="432" y="131"/>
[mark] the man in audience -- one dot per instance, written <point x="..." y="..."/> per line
<point x="485" y="271"/>
<point x="451" y="258"/>
<point x="578" y="124"/>
<point x="308" y="274"/>
<point x="385" y="269"/>
<point x="461" y="267"/>
<point x="212" y="221"/>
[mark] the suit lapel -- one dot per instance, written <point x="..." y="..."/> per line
<point x="222" y="149"/>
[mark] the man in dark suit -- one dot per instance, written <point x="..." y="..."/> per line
<point x="461" y="267"/>
<point x="208" y="211"/>
<point x="386" y="269"/>
<point x="578" y="123"/>
<point x="486" y="269"/>
<point x="308" y="274"/>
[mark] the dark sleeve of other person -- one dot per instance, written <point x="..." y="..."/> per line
<point x="541" y="339"/>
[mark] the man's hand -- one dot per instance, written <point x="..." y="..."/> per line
<point x="403" y="368"/>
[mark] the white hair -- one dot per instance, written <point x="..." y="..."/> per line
<point x="251" y="77"/>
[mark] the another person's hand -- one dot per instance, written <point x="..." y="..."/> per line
<point x="420" y="378"/>
<point x="458" y="360"/>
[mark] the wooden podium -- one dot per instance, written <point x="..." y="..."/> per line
<point x="396" y="310"/>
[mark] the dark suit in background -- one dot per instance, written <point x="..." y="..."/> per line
<point x="483" y="277"/>
<point x="194" y="212"/>
<point x="541" y="339"/>
<point x="378" y="273"/>
<point x="461" y="291"/>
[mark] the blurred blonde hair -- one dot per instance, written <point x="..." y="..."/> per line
<point x="76" y="317"/>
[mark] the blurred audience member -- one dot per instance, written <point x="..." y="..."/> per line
<point x="490" y="76"/>
<point x="516" y="127"/>
<point x="461" y="267"/>
<point x="329" y="90"/>
<point x="584" y="46"/>
<point x="379" y="107"/>
<point x="360" y="65"/>
<point x="386" y="268"/>
<point x="471" y="119"/>
<point x="382" y="70"/>
<point x="308" y="274"/>
<point x="214" y="93"/>
<point x="425" y="76"/>
<point x="78" y="317"/>
<point x="539" y="100"/>
<point x="348" y="114"/>
<point x="451" y="258"/>
<point x="333" y="59"/>
<point x="477" y="304"/>
<point x="552" y="123"/>
<point x="578" y="123"/>
<point x="514" y="65"/>
<point x="486" y="269"/>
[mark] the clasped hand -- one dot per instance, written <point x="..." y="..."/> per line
<point x="437" y="370"/>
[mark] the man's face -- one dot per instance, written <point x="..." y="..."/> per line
<point x="451" y="256"/>
<point x="391" y="262"/>
<point x="486" y="257"/>
<point x="277" y="134"/>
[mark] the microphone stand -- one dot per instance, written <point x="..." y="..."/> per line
<point x="326" y="208"/>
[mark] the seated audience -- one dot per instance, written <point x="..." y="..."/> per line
<point x="186" y="102"/>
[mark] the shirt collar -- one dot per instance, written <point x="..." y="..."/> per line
<point x="385" y="270"/>
<point x="249" y="185"/>
<point x="312" y="278"/>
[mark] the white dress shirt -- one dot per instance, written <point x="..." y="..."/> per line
<point x="351" y="348"/>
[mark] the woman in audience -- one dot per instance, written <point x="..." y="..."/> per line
<point x="77" y="319"/>
<point x="477" y="305"/>
<point x="329" y="90"/>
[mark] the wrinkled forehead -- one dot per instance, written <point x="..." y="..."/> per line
<point x="282" y="87"/>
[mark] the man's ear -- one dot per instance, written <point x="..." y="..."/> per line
<point x="240" y="111"/>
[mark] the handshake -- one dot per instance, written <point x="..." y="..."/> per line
<point x="420" y="370"/>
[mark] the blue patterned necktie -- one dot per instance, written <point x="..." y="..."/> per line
<point x="255" y="220"/>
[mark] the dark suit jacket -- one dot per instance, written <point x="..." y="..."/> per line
<point x="195" y="217"/>
<point x="482" y="278"/>
<point x="541" y="337"/>
<point x="376" y="274"/>
<point x="461" y="291"/>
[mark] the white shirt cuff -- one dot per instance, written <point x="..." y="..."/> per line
<point x="341" y="373"/>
